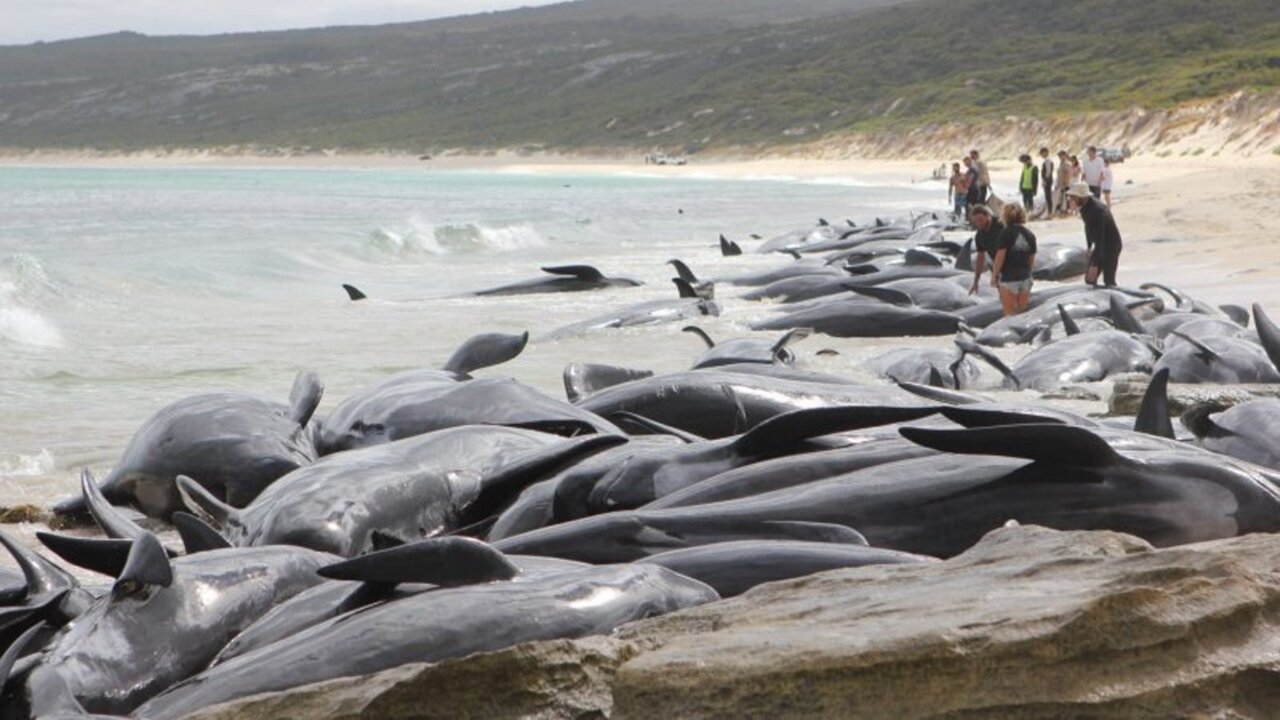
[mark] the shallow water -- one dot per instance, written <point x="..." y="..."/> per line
<point x="122" y="290"/>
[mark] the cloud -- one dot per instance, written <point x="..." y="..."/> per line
<point x="28" y="21"/>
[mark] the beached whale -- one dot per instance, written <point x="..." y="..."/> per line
<point x="115" y="656"/>
<point x="690" y="305"/>
<point x="564" y="278"/>
<point x="234" y="443"/>
<point x="717" y="402"/>
<point x="746" y="350"/>
<point x="1060" y="476"/>
<point x="853" y="318"/>
<point x="442" y="624"/>
<point x="418" y="487"/>
<point x="732" y="568"/>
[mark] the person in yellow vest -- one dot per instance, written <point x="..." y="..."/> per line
<point x="1029" y="183"/>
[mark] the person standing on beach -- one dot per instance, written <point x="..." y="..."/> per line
<point x="1107" y="180"/>
<point x="1046" y="180"/>
<point x="971" y="184"/>
<point x="1101" y="236"/>
<point x="1091" y="172"/>
<point x="985" y="241"/>
<point x="958" y="190"/>
<point x="1064" y="181"/>
<point x="984" y="175"/>
<point x="1028" y="183"/>
<point x="1015" y="257"/>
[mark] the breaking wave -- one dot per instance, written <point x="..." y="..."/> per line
<point x="425" y="239"/>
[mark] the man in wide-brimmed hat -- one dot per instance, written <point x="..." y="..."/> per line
<point x="1101" y="236"/>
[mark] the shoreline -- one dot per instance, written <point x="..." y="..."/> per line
<point x="1209" y="224"/>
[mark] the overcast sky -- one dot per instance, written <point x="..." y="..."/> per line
<point x="26" y="21"/>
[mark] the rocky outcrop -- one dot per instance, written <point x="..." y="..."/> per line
<point x="1126" y="395"/>
<point x="1029" y="623"/>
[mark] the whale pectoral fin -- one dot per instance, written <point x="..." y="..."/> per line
<point x="935" y="377"/>
<point x="101" y="555"/>
<point x="1050" y="443"/>
<point x="486" y="350"/>
<point x="353" y="292"/>
<point x="818" y="532"/>
<point x="1153" y="413"/>
<point x="582" y="272"/>
<point x="445" y="561"/>
<point x="305" y="396"/>
<point x="969" y="347"/>
<point x="146" y="567"/>
<point x="779" y="434"/>
<point x="1268" y="335"/>
<point x="942" y="395"/>
<point x="197" y="535"/>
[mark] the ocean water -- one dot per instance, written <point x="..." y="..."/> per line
<point x="122" y="290"/>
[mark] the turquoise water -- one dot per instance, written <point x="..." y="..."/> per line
<point x="122" y="290"/>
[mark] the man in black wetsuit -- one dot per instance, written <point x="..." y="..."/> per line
<point x="985" y="241"/>
<point x="1101" y="236"/>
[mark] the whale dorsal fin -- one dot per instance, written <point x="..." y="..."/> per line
<point x="729" y="248"/>
<point x="1204" y="352"/>
<point x="447" y="561"/>
<point x="41" y="575"/>
<point x="1153" y="413"/>
<point x="1050" y="443"/>
<point x="1124" y="319"/>
<point x="204" y="505"/>
<point x="1196" y="419"/>
<point x="582" y="272"/>
<point x="113" y="523"/>
<point x="353" y="292"/>
<point x="197" y="535"/>
<point x="685" y="288"/>
<point x="683" y="271"/>
<point x="1268" y="335"/>
<point x="935" y="377"/>
<point x="147" y="566"/>
<point x="695" y="330"/>
<point x="1238" y="315"/>
<point x="1068" y="322"/>
<point x="582" y="380"/>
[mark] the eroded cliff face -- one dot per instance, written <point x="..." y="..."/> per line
<point x="1243" y="123"/>
<point x="1030" y="623"/>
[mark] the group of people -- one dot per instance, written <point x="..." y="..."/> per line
<point x="1008" y="247"/>
<point x="971" y="185"/>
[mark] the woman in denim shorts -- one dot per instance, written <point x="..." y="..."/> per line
<point x="1015" y="258"/>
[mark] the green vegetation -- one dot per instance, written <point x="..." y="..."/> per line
<point x="612" y="73"/>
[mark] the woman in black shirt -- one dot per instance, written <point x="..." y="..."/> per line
<point x="1015" y="257"/>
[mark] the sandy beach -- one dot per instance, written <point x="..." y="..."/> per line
<point x="1205" y="223"/>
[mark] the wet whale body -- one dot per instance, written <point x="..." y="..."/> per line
<point x="564" y="278"/>
<point x="691" y="305"/>
<point x="236" y="444"/>
<point x="440" y="624"/>
<point x="199" y="601"/>
<point x="412" y="488"/>
<point x="1060" y="476"/>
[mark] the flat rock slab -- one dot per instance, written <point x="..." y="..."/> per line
<point x="1126" y="396"/>
<point x="1029" y="623"/>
